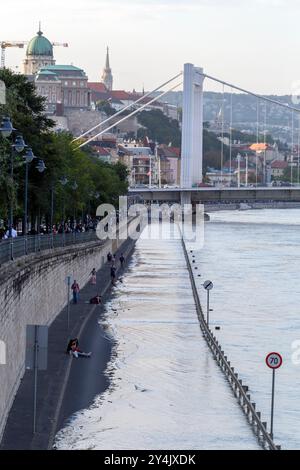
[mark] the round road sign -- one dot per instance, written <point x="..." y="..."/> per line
<point x="274" y="360"/>
<point x="208" y="285"/>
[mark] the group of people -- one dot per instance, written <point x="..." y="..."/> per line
<point x="112" y="259"/>
<point x="73" y="345"/>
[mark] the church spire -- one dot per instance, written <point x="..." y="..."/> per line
<point x="107" y="58"/>
<point x="107" y="77"/>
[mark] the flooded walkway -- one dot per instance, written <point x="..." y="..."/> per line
<point x="166" y="390"/>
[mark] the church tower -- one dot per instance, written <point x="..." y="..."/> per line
<point x="107" y="77"/>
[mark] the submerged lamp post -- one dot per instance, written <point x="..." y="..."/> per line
<point x="208" y="286"/>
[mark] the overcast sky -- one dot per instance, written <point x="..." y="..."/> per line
<point x="251" y="43"/>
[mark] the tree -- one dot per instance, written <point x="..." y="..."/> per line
<point x="159" y="127"/>
<point x="106" y="107"/>
<point x="62" y="157"/>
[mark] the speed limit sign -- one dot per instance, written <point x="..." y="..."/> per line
<point x="274" y="360"/>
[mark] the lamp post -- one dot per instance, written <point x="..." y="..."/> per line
<point x="17" y="146"/>
<point x="239" y="169"/>
<point x="74" y="187"/>
<point x="63" y="181"/>
<point x="246" y="169"/>
<point x="28" y="157"/>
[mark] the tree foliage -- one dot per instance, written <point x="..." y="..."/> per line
<point x="95" y="180"/>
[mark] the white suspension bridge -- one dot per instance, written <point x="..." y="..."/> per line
<point x="192" y="78"/>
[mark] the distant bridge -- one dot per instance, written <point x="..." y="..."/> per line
<point x="210" y="195"/>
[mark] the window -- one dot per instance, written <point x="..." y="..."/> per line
<point x="66" y="83"/>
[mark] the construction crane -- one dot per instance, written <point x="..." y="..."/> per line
<point x="5" y="44"/>
<point x="63" y="44"/>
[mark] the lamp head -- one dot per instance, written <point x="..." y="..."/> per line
<point x="29" y="156"/>
<point x="19" y="144"/>
<point x="6" y="128"/>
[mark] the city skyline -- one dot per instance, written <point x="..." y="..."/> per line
<point x="146" y="32"/>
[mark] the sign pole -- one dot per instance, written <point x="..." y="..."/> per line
<point x="272" y="405"/>
<point x="207" y="307"/>
<point x="274" y="361"/>
<point x="35" y="376"/>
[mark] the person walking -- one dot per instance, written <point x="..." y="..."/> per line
<point x="122" y="260"/>
<point x="75" y="289"/>
<point x="94" y="277"/>
<point x="113" y="275"/>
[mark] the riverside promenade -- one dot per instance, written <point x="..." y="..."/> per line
<point x="61" y="389"/>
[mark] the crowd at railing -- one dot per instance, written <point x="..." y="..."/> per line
<point x="45" y="238"/>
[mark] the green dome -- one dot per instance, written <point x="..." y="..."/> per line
<point x="40" y="45"/>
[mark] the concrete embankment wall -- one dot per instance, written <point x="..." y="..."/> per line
<point x="33" y="290"/>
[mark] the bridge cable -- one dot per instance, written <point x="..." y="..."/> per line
<point x="127" y="107"/>
<point x="257" y="139"/>
<point x="230" y="134"/>
<point x="292" y="150"/>
<point x="243" y="90"/>
<point x="265" y="142"/>
<point x="222" y="136"/>
<point x="298" y="150"/>
<point x="129" y="115"/>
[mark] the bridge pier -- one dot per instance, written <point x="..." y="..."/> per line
<point x="192" y="127"/>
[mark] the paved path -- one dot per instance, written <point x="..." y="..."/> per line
<point x="68" y="385"/>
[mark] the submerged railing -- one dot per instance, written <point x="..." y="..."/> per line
<point x="240" y="390"/>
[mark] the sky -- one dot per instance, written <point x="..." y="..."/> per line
<point x="250" y="43"/>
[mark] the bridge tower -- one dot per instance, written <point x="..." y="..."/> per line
<point x="192" y="129"/>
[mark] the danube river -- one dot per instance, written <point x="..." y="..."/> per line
<point x="166" y="391"/>
<point x="253" y="258"/>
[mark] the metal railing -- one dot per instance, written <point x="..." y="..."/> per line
<point x="14" y="248"/>
<point x="241" y="391"/>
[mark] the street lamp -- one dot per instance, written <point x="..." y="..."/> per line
<point x="74" y="187"/>
<point x="63" y="181"/>
<point x="28" y="157"/>
<point x="41" y="167"/>
<point x="18" y="146"/>
<point x="239" y="169"/>
<point x="6" y="127"/>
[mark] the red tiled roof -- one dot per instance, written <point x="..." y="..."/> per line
<point x="97" y="86"/>
<point x="279" y="165"/>
<point x="121" y="95"/>
<point x="101" y="151"/>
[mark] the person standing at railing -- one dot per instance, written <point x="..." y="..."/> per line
<point x="75" y="290"/>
